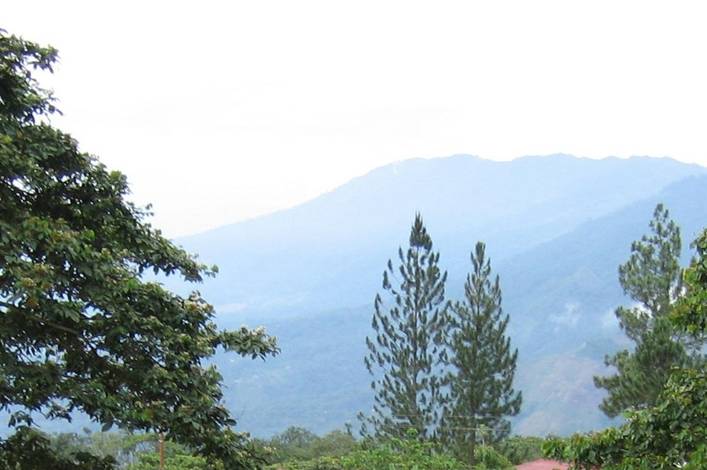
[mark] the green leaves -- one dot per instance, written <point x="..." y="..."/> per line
<point x="404" y="453"/>
<point x="20" y="97"/>
<point x="254" y="343"/>
<point x="671" y="433"/>
<point x="662" y="437"/>
<point x="29" y="449"/>
<point x="690" y="312"/>
<point x="80" y="328"/>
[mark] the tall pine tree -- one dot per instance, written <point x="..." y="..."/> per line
<point x="481" y="364"/>
<point x="652" y="278"/>
<point x="406" y="348"/>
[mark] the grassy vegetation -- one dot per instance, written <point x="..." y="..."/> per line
<point x="299" y="449"/>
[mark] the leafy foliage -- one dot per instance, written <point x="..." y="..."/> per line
<point x="406" y="453"/>
<point x="79" y="327"/>
<point x="299" y="449"/>
<point x="488" y="458"/>
<point x="673" y="432"/>
<point x="121" y="446"/>
<point x="519" y="449"/>
<point x="690" y="313"/>
<point x="407" y="342"/>
<point x="177" y="457"/>
<point x="651" y="277"/>
<point x="661" y="437"/>
<point x="401" y="453"/>
<point x="128" y="451"/>
<point x="299" y="444"/>
<point x="481" y="393"/>
<point x="30" y="449"/>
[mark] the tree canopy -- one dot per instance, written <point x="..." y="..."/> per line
<point x="80" y="327"/>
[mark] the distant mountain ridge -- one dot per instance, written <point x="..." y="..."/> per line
<point x="351" y="231"/>
<point x="556" y="228"/>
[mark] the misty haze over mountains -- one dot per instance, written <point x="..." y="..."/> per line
<point x="349" y="233"/>
<point x="556" y="229"/>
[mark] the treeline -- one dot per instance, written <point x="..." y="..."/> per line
<point x="295" y="448"/>
<point x="299" y="449"/>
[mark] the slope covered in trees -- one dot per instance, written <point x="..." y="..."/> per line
<point x="561" y="294"/>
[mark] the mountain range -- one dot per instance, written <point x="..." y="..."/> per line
<point x="556" y="228"/>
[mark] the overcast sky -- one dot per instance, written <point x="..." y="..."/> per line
<point x="221" y="111"/>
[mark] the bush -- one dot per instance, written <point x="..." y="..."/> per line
<point x="299" y="444"/>
<point x="489" y="458"/>
<point x="177" y="457"/>
<point x="396" y="454"/>
<point x="519" y="449"/>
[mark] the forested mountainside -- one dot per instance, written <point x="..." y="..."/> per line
<point x="556" y="229"/>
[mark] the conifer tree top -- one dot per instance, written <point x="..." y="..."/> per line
<point x="419" y="238"/>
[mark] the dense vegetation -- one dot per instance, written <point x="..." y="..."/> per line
<point x="293" y="449"/>
<point x="299" y="449"/>
<point x="673" y="431"/>
<point x="80" y="327"/>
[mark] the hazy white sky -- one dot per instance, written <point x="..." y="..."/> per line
<point x="220" y="111"/>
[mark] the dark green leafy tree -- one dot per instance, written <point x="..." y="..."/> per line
<point x="482" y="364"/>
<point x="652" y="278"/>
<point x="80" y="328"/>
<point x="690" y="313"/>
<point x="29" y="449"/>
<point x="407" y="344"/>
